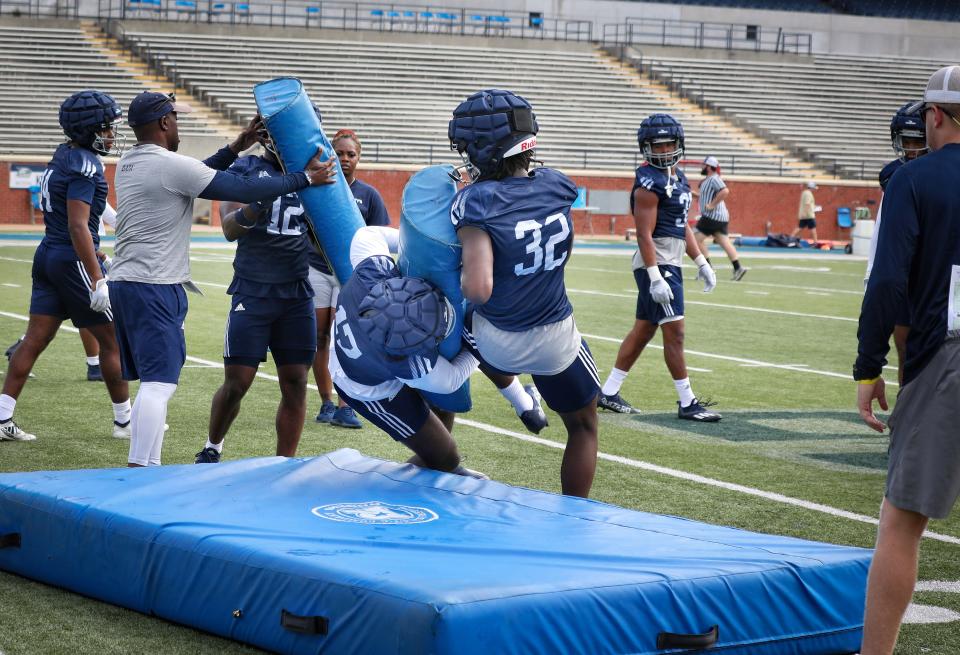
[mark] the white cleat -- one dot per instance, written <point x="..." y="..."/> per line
<point x="123" y="431"/>
<point x="10" y="431"/>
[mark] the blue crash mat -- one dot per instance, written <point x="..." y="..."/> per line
<point x="347" y="554"/>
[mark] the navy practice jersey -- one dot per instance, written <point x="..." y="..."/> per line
<point x="372" y="209"/>
<point x="917" y="261"/>
<point x="72" y="174"/>
<point x="363" y="361"/>
<point x="272" y="256"/>
<point x="674" y="199"/>
<point x="528" y="222"/>
<point x="887" y="172"/>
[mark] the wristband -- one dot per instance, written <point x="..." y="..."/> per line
<point x="869" y="381"/>
<point x="654" y="273"/>
<point x="700" y="260"/>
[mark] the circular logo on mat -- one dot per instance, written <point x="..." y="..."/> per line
<point x="375" y="512"/>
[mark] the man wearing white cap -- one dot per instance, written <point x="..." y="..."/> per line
<point x="808" y="211"/>
<point x="920" y="242"/>
<point x="714" y="221"/>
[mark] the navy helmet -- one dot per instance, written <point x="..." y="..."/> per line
<point x="86" y="113"/>
<point x="908" y="124"/>
<point x="407" y="316"/>
<point x="490" y="126"/>
<point x="661" y="128"/>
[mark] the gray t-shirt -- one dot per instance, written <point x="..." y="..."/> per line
<point x="155" y="193"/>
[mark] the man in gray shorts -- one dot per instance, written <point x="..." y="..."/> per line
<point x="920" y="241"/>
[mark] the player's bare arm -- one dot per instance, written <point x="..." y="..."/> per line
<point x="645" y="220"/>
<point x="477" y="277"/>
<point x="78" y="219"/>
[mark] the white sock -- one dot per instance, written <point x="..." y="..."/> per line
<point x="614" y="382"/>
<point x="121" y="412"/>
<point x="216" y="446"/>
<point x="517" y="397"/>
<point x="93" y="361"/>
<point x="7" y="404"/>
<point x="147" y="420"/>
<point x="684" y="391"/>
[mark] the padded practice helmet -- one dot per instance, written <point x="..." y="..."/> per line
<point x="661" y="128"/>
<point x="909" y="124"/>
<point x="490" y="126"/>
<point x="407" y="315"/>
<point x="86" y="113"/>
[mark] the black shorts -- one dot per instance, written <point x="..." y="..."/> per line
<point x="808" y="223"/>
<point x="710" y="227"/>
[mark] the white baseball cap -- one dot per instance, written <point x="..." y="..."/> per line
<point x="711" y="161"/>
<point x="811" y="184"/>
<point x="943" y="86"/>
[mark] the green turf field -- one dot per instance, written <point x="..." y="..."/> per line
<point x="774" y="350"/>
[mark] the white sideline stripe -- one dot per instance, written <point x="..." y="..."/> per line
<point x="818" y="293"/>
<point x="758" y="293"/>
<point x="14" y="259"/>
<point x="725" y="306"/>
<point x="927" y="614"/>
<point x="949" y="586"/>
<point x="699" y="370"/>
<point x="15" y="286"/>
<point x="774" y="285"/>
<point x="213" y="284"/>
<point x="699" y="479"/>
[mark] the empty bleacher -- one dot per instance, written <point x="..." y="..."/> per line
<point x="833" y="109"/>
<point x="399" y="96"/>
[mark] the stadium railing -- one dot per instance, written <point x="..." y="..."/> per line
<point x="701" y="34"/>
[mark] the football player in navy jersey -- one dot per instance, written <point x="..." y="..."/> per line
<point x="346" y="144"/>
<point x="68" y="281"/>
<point x="271" y="305"/>
<point x="660" y="202"/>
<point x="908" y="137"/>
<point x="516" y="232"/>
<point x="386" y="337"/>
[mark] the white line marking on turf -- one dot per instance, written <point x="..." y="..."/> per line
<point x="693" y="477"/>
<point x="926" y="614"/>
<point x="14" y="259"/>
<point x="817" y="293"/>
<point x="699" y="370"/>
<point x="949" y="586"/>
<point x="11" y="284"/>
<point x="758" y="293"/>
<point x="797" y="288"/>
<point x="724" y="306"/>
<point x="213" y="284"/>
<point x="802" y="269"/>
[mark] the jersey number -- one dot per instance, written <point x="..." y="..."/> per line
<point x="285" y="228"/>
<point x="542" y="257"/>
<point x="45" y="191"/>
<point x="347" y="344"/>
<point x="685" y="200"/>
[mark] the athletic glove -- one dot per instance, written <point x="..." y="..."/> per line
<point x="659" y="289"/>
<point x="100" y="296"/>
<point x="705" y="273"/>
<point x="106" y="263"/>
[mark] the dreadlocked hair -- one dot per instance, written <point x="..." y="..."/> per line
<point x="511" y="166"/>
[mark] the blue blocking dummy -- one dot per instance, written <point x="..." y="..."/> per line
<point x="429" y="248"/>
<point x="297" y="135"/>
<point x="348" y="555"/>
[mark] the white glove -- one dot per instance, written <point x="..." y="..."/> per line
<point x="705" y="273"/>
<point x="659" y="289"/>
<point x="107" y="263"/>
<point x="100" y="296"/>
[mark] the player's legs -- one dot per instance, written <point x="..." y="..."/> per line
<point x="724" y="242"/>
<point x="900" y="334"/>
<point x="701" y="241"/>
<point x="237" y="379"/>
<point x="293" y="407"/>
<point x="41" y="330"/>
<point x="91" y="349"/>
<point x="673" y="334"/>
<point x="106" y="340"/>
<point x="813" y="233"/>
<point x="147" y="423"/>
<point x="893" y="575"/>
<point x="633" y="344"/>
<point x="320" y="372"/>
<point x="433" y="445"/>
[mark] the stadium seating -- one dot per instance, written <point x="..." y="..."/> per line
<point x="41" y="67"/>
<point x="834" y="109"/>
<point x="927" y="10"/>
<point x="399" y="96"/>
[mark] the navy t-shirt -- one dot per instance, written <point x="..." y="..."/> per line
<point x="528" y="222"/>
<point x="74" y="173"/>
<point x="363" y="361"/>
<point x="272" y="257"/>
<point x="675" y="199"/>
<point x="887" y="172"/>
<point x="917" y="252"/>
<point x="372" y="209"/>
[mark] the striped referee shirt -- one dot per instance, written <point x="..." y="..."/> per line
<point x="709" y="188"/>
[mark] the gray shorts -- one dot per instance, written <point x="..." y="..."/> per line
<point x="923" y="475"/>
<point x="326" y="289"/>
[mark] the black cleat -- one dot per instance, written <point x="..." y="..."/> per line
<point x="534" y="419"/>
<point x="12" y="349"/>
<point x="93" y="373"/>
<point x="616" y="403"/>
<point x="697" y="411"/>
<point x="207" y="456"/>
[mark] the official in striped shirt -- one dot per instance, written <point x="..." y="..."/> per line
<point x="714" y="219"/>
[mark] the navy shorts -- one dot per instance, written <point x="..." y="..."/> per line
<point x="401" y="416"/>
<point x="654" y="312"/>
<point x="149" y="322"/>
<point x="287" y="326"/>
<point x="61" y="288"/>
<point x="808" y="223"/>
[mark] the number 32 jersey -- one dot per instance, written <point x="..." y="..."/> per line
<point x="528" y="222"/>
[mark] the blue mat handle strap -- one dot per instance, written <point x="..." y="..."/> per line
<point x="305" y="625"/>
<point x="707" y="639"/>
<point x="10" y="540"/>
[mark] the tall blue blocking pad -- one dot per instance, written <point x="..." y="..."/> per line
<point x="347" y="554"/>
<point x="297" y="135"/>
<point x="429" y="248"/>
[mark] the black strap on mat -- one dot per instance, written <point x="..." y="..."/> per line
<point x="306" y="625"/>
<point x="10" y="540"/>
<point x="667" y="640"/>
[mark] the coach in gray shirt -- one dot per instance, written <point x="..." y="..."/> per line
<point x="156" y="189"/>
<point x="714" y="220"/>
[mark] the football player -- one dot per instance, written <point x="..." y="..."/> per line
<point x="68" y="280"/>
<point x="660" y="202"/>
<point x="516" y="232"/>
<point x="908" y="137"/>
<point x="271" y="305"/>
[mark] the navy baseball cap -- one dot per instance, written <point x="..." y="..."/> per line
<point x="151" y="105"/>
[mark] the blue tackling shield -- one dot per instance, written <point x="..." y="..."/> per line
<point x="297" y="135"/>
<point x="429" y="248"/>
